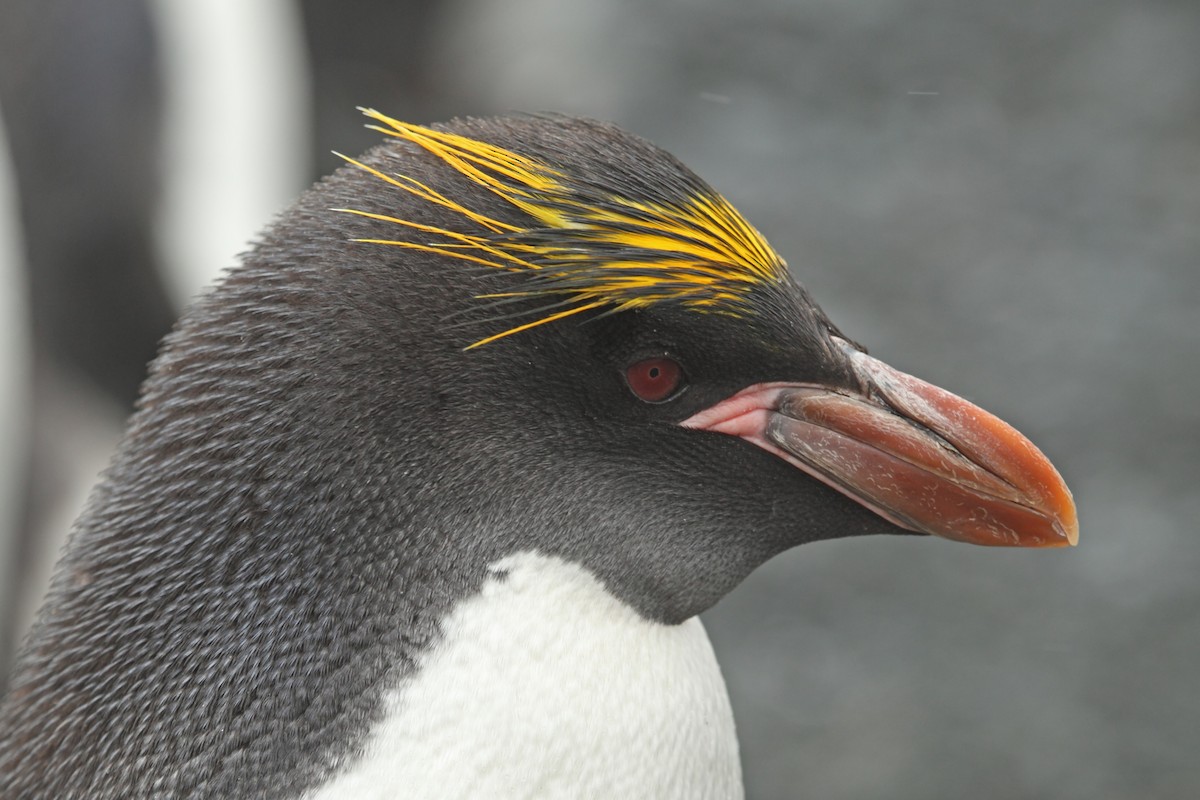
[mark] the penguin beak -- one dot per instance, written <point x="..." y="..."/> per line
<point x="919" y="456"/>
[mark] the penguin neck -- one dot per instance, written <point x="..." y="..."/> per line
<point x="543" y="683"/>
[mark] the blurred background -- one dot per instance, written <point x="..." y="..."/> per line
<point x="1002" y="198"/>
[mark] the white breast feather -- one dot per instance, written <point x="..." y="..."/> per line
<point x="546" y="686"/>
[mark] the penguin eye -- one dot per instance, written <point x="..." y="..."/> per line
<point x="655" y="380"/>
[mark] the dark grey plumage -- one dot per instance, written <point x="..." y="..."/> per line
<point x="318" y="470"/>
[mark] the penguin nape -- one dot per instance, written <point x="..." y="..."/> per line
<point x="424" y="498"/>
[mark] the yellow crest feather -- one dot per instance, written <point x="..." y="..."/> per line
<point x="584" y="249"/>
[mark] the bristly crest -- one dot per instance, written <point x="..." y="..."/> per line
<point x="588" y="245"/>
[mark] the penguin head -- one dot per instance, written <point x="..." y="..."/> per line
<point x="561" y="340"/>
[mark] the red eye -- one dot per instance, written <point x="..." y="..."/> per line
<point x="654" y="379"/>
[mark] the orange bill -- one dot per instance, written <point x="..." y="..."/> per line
<point x="916" y="454"/>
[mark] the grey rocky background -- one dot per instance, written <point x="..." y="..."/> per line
<point x="1002" y="198"/>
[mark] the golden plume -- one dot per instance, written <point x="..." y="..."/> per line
<point x="585" y="247"/>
